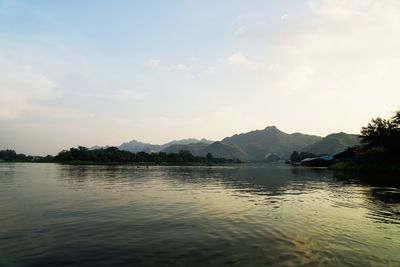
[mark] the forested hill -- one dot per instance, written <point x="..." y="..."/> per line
<point x="333" y="143"/>
<point x="256" y="145"/>
<point x="269" y="144"/>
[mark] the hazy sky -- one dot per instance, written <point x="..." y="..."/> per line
<point x="103" y="72"/>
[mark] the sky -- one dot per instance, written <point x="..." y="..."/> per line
<point x="100" y="72"/>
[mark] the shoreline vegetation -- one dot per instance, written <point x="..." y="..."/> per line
<point x="354" y="166"/>
<point x="379" y="150"/>
<point x="114" y="156"/>
<point x="380" y="147"/>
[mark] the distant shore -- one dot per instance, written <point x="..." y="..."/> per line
<point x="138" y="164"/>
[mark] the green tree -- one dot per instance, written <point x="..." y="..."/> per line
<point x="295" y="157"/>
<point x="113" y="154"/>
<point x="11" y="155"/>
<point x="304" y="155"/>
<point x="381" y="137"/>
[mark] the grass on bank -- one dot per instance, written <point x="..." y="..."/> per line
<point x="366" y="167"/>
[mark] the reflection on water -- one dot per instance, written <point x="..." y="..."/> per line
<point x="241" y="215"/>
<point x="382" y="197"/>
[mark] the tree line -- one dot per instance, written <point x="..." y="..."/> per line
<point x="11" y="155"/>
<point x="380" y="141"/>
<point x="299" y="156"/>
<point x="114" y="155"/>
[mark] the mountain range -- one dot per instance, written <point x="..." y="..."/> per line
<point x="269" y="144"/>
<point x="136" y="146"/>
<point x="333" y="143"/>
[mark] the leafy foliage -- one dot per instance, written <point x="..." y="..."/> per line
<point x="297" y="157"/>
<point x="113" y="154"/>
<point x="11" y="155"/>
<point x="381" y="140"/>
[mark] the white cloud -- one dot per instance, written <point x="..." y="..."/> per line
<point x="153" y="63"/>
<point x="339" y="10"/>
<point x="211" y="68"/>
<point x="339" y="58"/>
<point x="238" y="59"/>
<point x="25" y="92"/>
<point x="346" y="46"/>
<point x="21" y="88"/>
<point x="241" y="61"/>
<point x="178" y="67"/>
<point x="129" y="95"/>
<point x="284" y="17"/>
<point x="240" y="30"/>
<point x="60" y="113"/>
<point x="159" y="65"/>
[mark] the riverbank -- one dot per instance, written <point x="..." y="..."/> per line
<point x="355" y="166"/>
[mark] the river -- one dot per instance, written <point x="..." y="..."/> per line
<point x="240" y="215"/>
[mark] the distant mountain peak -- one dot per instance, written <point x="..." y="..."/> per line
<point x="133" y="141"/>
<point x="273" y="130"/>
<point x="137" y="146"/>
<point x="268" y="144"/>
<point x="204" y="140"/>
<point x="272" y="127"/>
<point x="256" y="144"/>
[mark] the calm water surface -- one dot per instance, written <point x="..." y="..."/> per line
<point x="246" y="215"/>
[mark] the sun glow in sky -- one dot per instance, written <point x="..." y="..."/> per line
<point x="104" y="72"/>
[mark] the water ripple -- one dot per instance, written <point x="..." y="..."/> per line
<point x="258" y="215"/>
